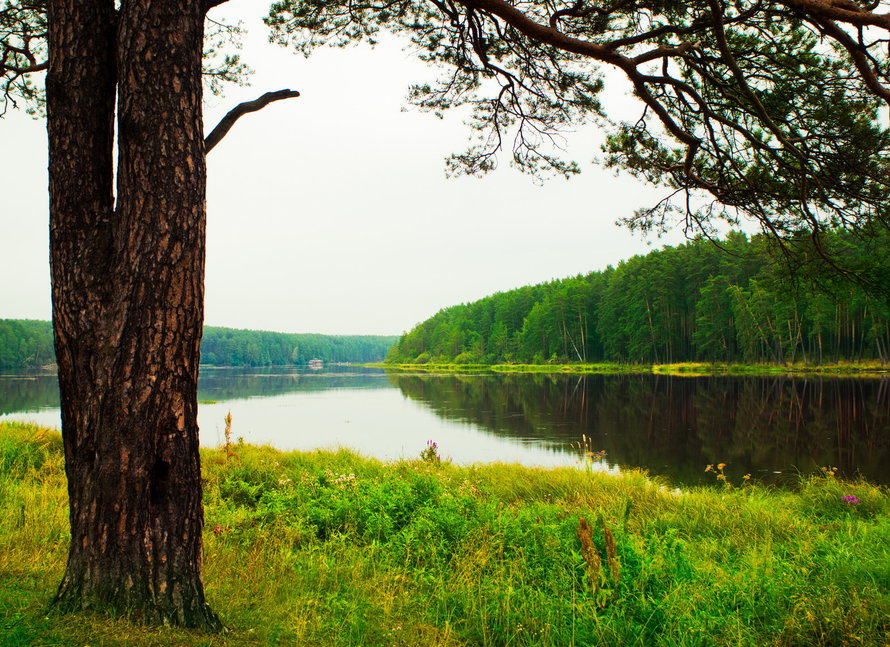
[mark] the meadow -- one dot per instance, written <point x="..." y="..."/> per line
<point x="332" y="548"/>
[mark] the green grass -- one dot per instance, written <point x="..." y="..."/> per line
<point x="330" y="548"/>
<point x="690" y="369"/>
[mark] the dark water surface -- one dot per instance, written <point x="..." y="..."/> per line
<point x="772" y="427"/>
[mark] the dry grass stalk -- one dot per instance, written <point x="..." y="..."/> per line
<point x="228" y="435"/>
<point x="589" y="553"/>
<point x="611" y="553"/>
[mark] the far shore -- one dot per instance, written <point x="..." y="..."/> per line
<point x="688" y="369"/>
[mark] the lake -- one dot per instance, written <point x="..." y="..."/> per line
<point x="771" y="427"/>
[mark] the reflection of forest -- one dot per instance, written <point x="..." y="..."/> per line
<point x="30" y="392"/>
<point x="675" y="425"/>
<point x="230" y="384"/>
<point x="668" y="425"/>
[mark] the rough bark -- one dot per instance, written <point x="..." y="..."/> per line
<point x="128" y="302"/>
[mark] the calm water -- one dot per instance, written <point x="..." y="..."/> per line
<point x="772" y="427"/>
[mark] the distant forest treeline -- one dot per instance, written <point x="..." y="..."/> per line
<point x="29" y="344"/>
<point x="230" y="347"/>
<point x="694" y="302"/>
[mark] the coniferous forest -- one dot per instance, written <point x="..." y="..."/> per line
<point x="735" y="301"/>
<point x="29" y="344"/>
<point x="26" y="343"/>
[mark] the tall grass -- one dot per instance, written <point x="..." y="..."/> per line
<point x="330" y="548"/>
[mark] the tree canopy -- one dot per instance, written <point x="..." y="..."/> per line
<point x="23" y="53"/>
<point x="767" y="110"/>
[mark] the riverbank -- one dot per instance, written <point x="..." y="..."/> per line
<point x="689" y="369"/>
<point x="330" y="548"/>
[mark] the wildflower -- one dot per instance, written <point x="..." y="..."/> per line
<point x="850" y="499"/>
<point x="747" y="477"/>
<point x="431" y="453"/>
<point x="709" y="468"/>
<point x="344" y="480"/>
<point x="720" y="466"/>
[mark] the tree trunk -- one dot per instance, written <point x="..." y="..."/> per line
<point x="128" y="302"/>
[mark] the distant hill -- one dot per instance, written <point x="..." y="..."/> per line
<point x="26" y="343"/>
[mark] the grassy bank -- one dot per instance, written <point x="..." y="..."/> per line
<point x="686" y="368"/>
<point x="328" y="548"/>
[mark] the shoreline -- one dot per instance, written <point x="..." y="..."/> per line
<point x="681" y="369"/>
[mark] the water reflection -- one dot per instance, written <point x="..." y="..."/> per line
<point x="768" y="426"/>
<point x="217" y="384"/>
<point x="290" y="408"/>
<point x="28" y="392"/>
<point x="771" y="426"/>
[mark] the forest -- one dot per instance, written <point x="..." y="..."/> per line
<point x="233" y="347"/>
<point x="733" y="301"/>
<point x="26" y="343"/>
<point x="29" y="344"/>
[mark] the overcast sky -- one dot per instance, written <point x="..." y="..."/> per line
<point x="331" y="213"/>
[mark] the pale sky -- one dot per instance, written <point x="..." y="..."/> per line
<point x="331" y="213"/>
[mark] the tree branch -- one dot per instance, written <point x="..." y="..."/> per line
<point x="226" y="123"/>
<point x="37" y="67"/>
<point x="210" y="4"/>
<point x="546" y="34"/>
<point x="847" y="12"/>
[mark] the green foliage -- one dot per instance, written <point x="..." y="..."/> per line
<point x="763" y="111"/>
<point x="26" y="344"/>
<point x="329" y="548"/>
<point x="29" y="344"/>
<point x="23" y="27"/>
<point x="691" y="303"/>
<point x="231" y="347"/>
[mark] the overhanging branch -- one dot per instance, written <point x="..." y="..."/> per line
<point x="226" y="123"/>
